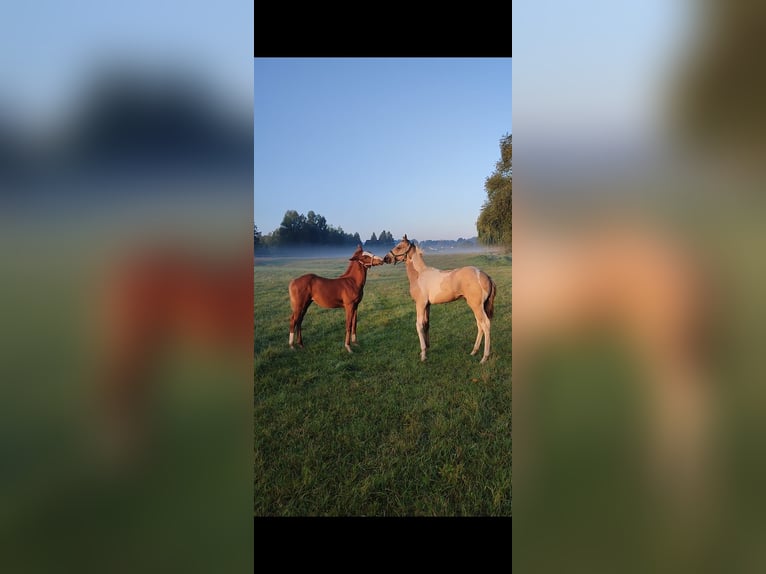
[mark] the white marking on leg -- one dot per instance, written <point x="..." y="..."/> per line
<point x="292" y="335"/>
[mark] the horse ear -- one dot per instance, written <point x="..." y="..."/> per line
<point x="405" y="237"/>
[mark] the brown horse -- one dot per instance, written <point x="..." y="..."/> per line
<point x="157" y="302"/>
<point x="345" y="291"/>
<point x="430" y="285"/>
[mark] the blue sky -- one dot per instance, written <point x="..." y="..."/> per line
<point x="51" y="49"/>
<point x="401" y="144"/>
<point x="595" y="71"/>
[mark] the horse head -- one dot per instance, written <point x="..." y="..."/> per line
<point x="399" y="251"/>
<point x="366" y="258"/>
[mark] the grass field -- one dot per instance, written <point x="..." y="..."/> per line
<point x="377" y="432"/>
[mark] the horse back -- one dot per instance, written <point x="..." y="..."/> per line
<point x="329" y="293"/>
<point x="469" y="283"/>
<point x="473" y="278"/>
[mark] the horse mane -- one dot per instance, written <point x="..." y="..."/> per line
<point x="419" y="251"/>
<point x="350" y="268"/>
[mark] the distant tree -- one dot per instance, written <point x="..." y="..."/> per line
<point x="292" y="227"/>
<point x="357" y="239"/>
<point x="373" y="238"/>
<point x="256" y="236"/>
<point x="494" y="223"/>
<point x="311" y="233"/>
<point x="310" y="229"/>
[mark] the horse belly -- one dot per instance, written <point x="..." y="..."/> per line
<point x="328" y="302"/>
<point x="437" y="297"/>
<point x="326" y="294"/>
<point x="444" y="288"/>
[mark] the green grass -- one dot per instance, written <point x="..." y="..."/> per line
<point x="378" y="432"/>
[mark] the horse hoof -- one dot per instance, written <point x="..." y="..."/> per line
<point x="483" y="360"/>
<point x="349" y="349"/>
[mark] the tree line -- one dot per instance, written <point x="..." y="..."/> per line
<point x="385" y="238"/>
<point x="298" y="230"/>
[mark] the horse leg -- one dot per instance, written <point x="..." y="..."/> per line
<point x="479" y="335"/>
<point x="486" y="325"/>
<point x="427" y="325"/>
<point x="483" y="327"/>
<point x="350" y="311"/>
<point x="419" y="324"/>
<point x="294" y="324"/>
<point x="353" y="327"/>
<point x="299" y="325"/>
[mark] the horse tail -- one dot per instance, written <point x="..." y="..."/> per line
<point x="489" y="302"/>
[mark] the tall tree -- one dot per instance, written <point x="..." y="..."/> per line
<point x="717" y="106"/>
<point x="311" y="229"/>
<point x="494" y="223"/>
<point x="292" y="227"/>
<point x="256" y="236"/>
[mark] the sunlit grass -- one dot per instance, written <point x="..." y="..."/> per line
<point x="377" y="432"/>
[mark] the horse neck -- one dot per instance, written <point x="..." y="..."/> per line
<point x="414" y="267"/>
<point x="417" y="262"/>
<point x="356" y="271"/>
<point x="412" y="273"/>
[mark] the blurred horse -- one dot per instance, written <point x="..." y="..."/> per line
<point x="156" y="301"/>
<point x="651" y="289"/>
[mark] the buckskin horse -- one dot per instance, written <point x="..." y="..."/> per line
<point x="649" y="288"/>
<point x="345" y="291"/>
<point x="430" y="285"/>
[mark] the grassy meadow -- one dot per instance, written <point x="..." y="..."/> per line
<point x="378" y="432"/>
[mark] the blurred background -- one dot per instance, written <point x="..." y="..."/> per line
<point x="125" y="214"/>
<point x="126" y="141"/>
<point x="638" y="297"/>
